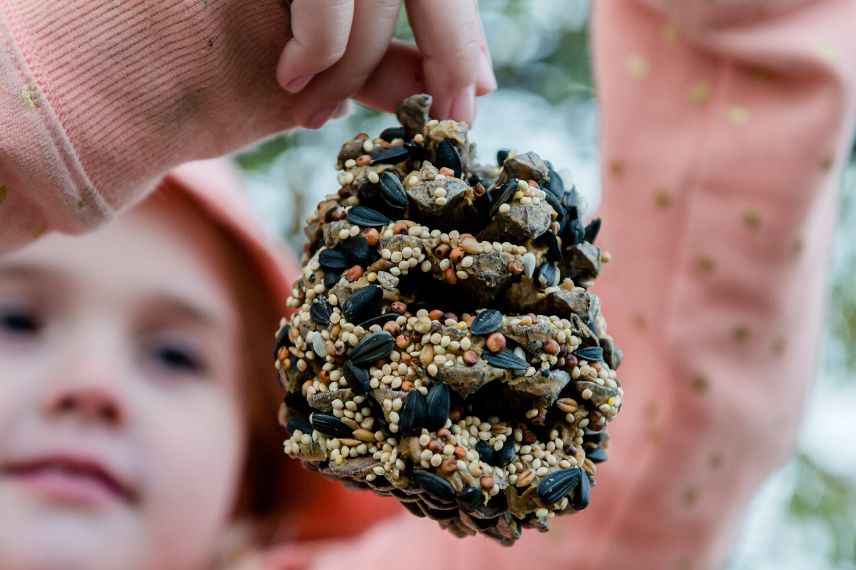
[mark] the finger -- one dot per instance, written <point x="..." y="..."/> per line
<point x="487" y="79"/>
<point x="371" y="33"/>
<point x="320" y="30"/>
<point x="397" y="76"/>
<point x="447" y="33"/>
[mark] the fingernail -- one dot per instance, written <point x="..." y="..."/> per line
<point x="464" y="105"/>
<point x="318" y="118"/>
<point x="298" y="83"/>
<point x="487" y="79"/>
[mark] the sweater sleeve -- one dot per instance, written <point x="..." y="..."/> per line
<point x="99" y="98"/>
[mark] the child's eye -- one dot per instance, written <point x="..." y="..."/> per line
<point x="177" y="360"/>
<point x="19" y="322"/>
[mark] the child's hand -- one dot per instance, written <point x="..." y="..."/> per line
<point x="344" y="48"/>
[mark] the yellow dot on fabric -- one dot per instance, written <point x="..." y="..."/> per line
<point x="637" y="67"/>
<point x="689" y="496"/>
<point x="40" y="230"/>
<point x="3" y="193"/>
<point x="29" y="97"/>
<point x="639" y="321"/>
<point x="670" y="33"/>
<point x="740" y="333"/>
<point x="827" y="163"/>
<point x="700" y="93"/>
<point x="737" y="115"/>
<point x="616" y="167"/>
<point x="714" y="461"/>
<point x="662" y="199"/>
<point x="779" y="346"/>
<point x="706" y="264"/>
<point x="700" y="383"/>
<point x="752" y="220"/>
<point x="86" y="196"/>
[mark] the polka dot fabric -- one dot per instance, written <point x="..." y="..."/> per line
<point x="723" y="130"/>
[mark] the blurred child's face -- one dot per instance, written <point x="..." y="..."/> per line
<point x="121" y="427"/>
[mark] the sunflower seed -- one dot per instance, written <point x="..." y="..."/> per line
<point x="582" y="494"/>
<point x="447" y="155"/>
<point x="393" y="133"/>
<point x="529" y="264"/>
<point x="363" y="304"/>
<point x="331" y="278"/>
<point x="438" y="404"/>
<point x="485" y="452"/>
<point x="373" y="346"/>
<point x="590" y="353"/>
<point x="329" y="425"/>
<point x="281" y="340"/>
<point x="471" y="498"/>
<point x="318" y="344"/>
<point x="413" y="413"/>
<point x="555" y="486"/>
<point x="548" y="275"/>
<point x="506" y="454"/>
<point x="392" y="155"/>
<point x="592" y="230"/>
<point x="561" y="213"/>
<point x="358" y="378"/>
<point x="506" y="360"/>
<point x="320" y="311"/>
<point x="597" y="455"/>
<point x="333" y="259"/>
<point x="366" y="217"/>
<point x="486" y="322"/>
<point x="379" y="320"/>
<point x="356" y="249"/>
<point x="392" y="191"/>
<point x="414" y="509"/>
<point x="297" y="422"/>
<point x="554" y="252"/>
<point x="434" y="485"/>
<point x="501" y="155"/>
<point x="571" y="198"/>
<point x="501" y="196"/>
<point x="555" y="184"/>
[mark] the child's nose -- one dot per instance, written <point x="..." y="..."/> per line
<point x="88" y="402"/>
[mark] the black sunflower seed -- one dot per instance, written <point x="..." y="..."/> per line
<point x="438" y="404"/>
<point x="366" y="217"/>
<point x="447" y="155"/>
<point x="486" y="322"/>
<point x="506" y="360"/>
<point x="393" y="133"/>
<point x="356" y="249"/>
<point x="374" y="346"/>
<point x="331" y="278"/>
<point x="582" y="494"/>
<point x="554" y="252"/>
<point x="363" y="304"/>
<point x="413" y="413"/>
<point x="320" y="311"/>
<point x="471" y="498"/>
<point x="547" y="275"/>
<point x="434" y="485"/>
<point x="330" y="425"/>
<point x="416" y="150"/>
<point x="358" y="378"/>
<point x="597" y="455"/>
<point x="501" y="196"/>
<point x="392" y="155"/>
<point x="392" y="191"/>
<point x="571" y="198"/>
<point x="555" y="486"/>
<point x="379" y="320"/>
<point x="281" y="340"/>
<point x="572" y="231"/>
<point x="505" y="455"/>
<point x="501" y="155"/>
<point x="592" y="230"/>
<point x="561" y="213"/>
<point x="485" y="452"/>
<point x="555" y="184"/>
<point x="414" y="509"/>
<point x="590" y="353"/>
<point x="297" y="422"/>
<point x="333" y="259"/>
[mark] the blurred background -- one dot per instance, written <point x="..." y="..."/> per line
<point x="805" y="515"/>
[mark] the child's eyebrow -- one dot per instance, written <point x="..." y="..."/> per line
<point x="177" y="308"/>
<point x="29" y="271"/>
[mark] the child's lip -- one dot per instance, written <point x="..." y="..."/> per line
<point x="73" y="479"/>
